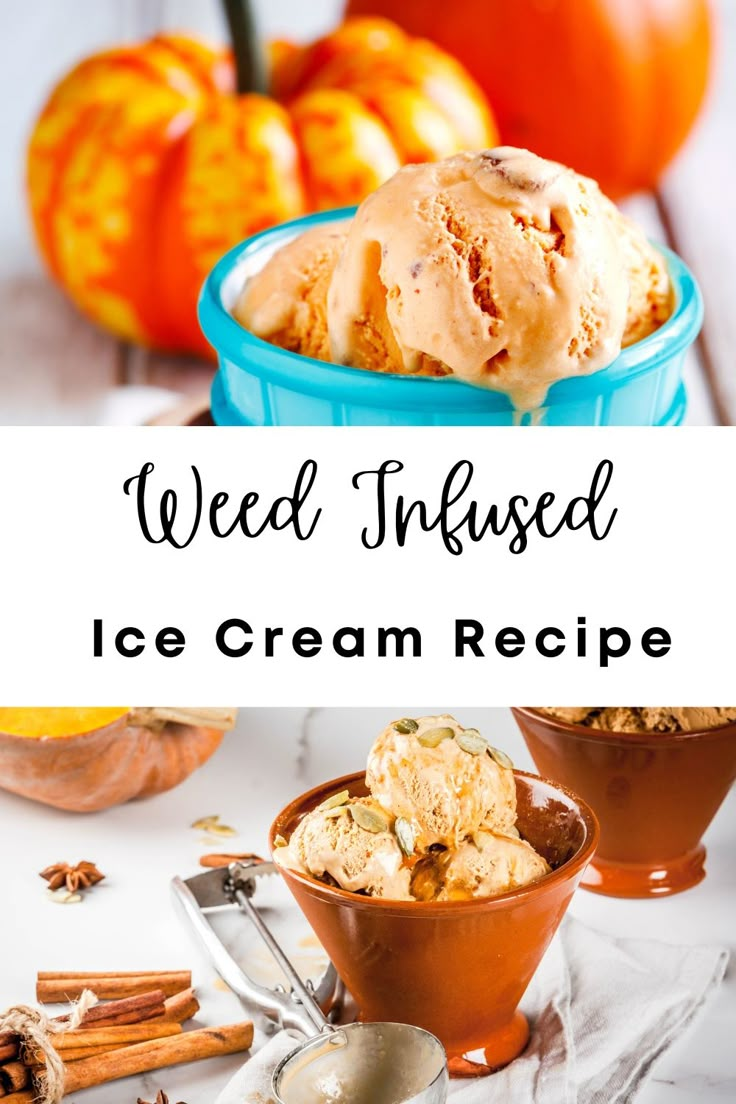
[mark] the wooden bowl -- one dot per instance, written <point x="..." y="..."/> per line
<point x="458" y="969"/>
<point x="654" y="794"/>
<point x="141" y="753"/>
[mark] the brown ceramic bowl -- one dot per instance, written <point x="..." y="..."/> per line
<point x="460" y="968"/>
<point x="654" y="794"/>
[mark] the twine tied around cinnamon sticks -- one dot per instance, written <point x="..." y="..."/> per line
<point x="134" y="1029"/>
<point x="34" y="1029"/>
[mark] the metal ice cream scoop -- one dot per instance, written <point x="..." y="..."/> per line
<point x="363" y="1063"/>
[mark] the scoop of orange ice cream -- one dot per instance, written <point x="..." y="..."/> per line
<point x="286" y="302"/>
<point x="419" y="771"/>
<point x="499" y="267"/>
<point x="487" y="865"/>
<point x="507" y="270"/>
<point x="329" y="841"/>
<point x="650" y="289"/>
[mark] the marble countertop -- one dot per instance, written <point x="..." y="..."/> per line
<point x="129" y="921"/>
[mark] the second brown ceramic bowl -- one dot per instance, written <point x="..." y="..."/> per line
<point x="457" y="969"/>
<point x="654" y="794"/>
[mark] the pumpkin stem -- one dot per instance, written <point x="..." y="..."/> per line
<point x="250" y="65"/>
<point x="150" y="717"/>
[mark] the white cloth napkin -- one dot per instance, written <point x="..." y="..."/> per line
<point x="602" y="1011"/>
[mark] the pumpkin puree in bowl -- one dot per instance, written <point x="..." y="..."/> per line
<point x="56" y="722"/>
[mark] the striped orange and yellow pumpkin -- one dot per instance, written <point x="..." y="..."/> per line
<point x="145" y="165"/>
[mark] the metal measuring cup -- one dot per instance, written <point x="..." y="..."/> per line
<point x="363" y="1063"/>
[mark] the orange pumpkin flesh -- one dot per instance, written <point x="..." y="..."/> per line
<point x="93" y="769"/>
<point x="55" y="723"/>
<point x="610" y="87"/>
<point x="144" y="167"/>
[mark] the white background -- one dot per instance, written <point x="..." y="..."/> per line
<point x="72" y="551"/>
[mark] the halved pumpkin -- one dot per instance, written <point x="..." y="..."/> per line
<point x="86" y="759"/>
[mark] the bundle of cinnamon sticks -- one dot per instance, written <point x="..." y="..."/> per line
<point x="137" y="1026"/>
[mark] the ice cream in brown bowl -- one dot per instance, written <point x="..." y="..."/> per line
<point x="655" y="775"/>
<point x="436" y="880"/>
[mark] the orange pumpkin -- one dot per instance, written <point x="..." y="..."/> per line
<point x="89" y="759"/>
<point x="611" y="87"/>
<point x="145" y="167"/>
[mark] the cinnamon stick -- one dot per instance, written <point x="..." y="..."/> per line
<point x="14" y="1075"/>
<point x="224" y="858"/>
<point x="190" y="1046"/>
<point x="9" y="1051"/>
<point x="130" y="1010"/>
<point x="114" y="1036"/>
<point x="52" y="988"/>
<point x="35" y="1059"/>
<point x="27" y="1096"/>
<point x="177" y="1009"/>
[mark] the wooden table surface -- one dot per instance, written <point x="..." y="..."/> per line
<point x="55" y="368"/>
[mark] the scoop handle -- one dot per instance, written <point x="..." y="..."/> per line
<point x="288" y="1009"/>
<point x="307" y="1013"/>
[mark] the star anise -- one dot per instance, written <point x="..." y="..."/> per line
<point x="161" y="1098"/>
<point x="82" y="876"/>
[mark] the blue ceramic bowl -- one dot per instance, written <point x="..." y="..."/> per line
<point x="260" y="384"/>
